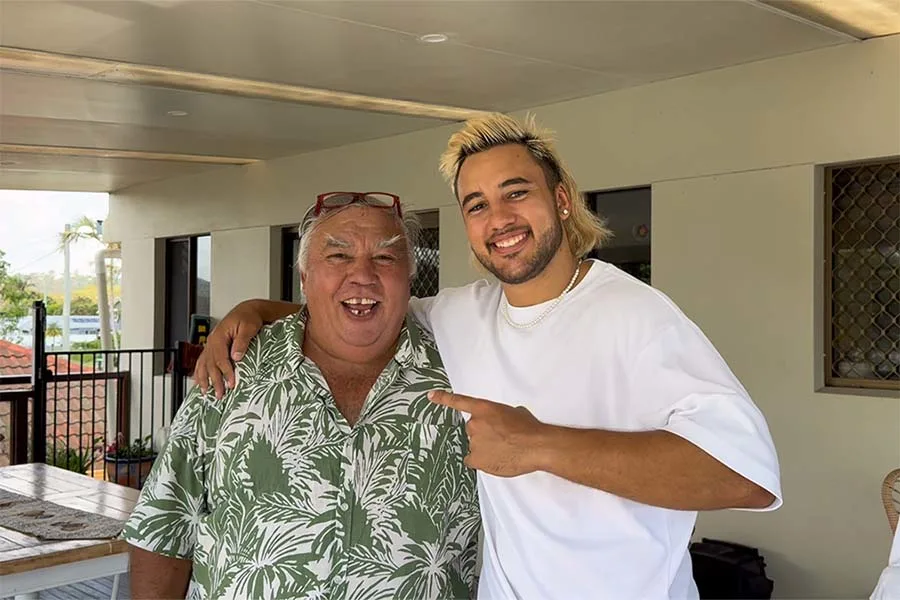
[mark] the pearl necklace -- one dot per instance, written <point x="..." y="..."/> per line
<point x="504" y="307"/>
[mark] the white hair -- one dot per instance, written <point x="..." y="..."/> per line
<point x="409" y="224"/>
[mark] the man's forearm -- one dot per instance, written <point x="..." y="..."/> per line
<point x="653" y="467"/>
<point x="272" y="310"/>
<point x="158" y="577"/>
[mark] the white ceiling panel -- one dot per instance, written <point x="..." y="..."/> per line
<point x="631" y="40"/>
<point x="87" y="100"/>
<point x="136" y="118"/>
<point x="499" y="50"/>
<point x="117" y="136"/>
<point x="81" y="174"/>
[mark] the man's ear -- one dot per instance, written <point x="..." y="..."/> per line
<point x="563" y="202"/>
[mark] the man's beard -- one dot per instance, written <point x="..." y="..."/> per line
<point x="547" y="246"/>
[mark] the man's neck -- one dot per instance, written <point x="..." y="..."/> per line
<point x="349" y="381"/>
<point x="548" y="284"/>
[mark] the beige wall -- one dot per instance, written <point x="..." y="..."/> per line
<point x="732" y="158"/>
<point x="253" y="254"/>
<point x="143" y="305"/>
<point x="752" y="290"/>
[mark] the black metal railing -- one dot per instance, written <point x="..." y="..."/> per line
<point x="103" y="413"/>
<point x="15" y="401"/>
<point x="109" y="409"/>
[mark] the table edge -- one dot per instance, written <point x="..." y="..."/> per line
<point x="102" y="548"/>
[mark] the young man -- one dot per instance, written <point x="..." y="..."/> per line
<point x="600" y="418"/>
<point x="316" y="476"/>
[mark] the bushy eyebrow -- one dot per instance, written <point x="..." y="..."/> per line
<point x="390" y="241"/>
<point x="333" y="242"/>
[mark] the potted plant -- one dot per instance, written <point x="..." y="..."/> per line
<point x="77" y="459"/>
<point x="129" y="464"/>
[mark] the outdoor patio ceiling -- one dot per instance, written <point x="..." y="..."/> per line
<point x="100" y="96"/>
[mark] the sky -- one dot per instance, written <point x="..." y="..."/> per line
<point x="30" y="224"/>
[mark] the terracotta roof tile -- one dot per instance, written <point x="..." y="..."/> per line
<point x="16" y="360"/>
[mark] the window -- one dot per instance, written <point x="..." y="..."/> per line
<point x="290" y="277"/>
<point x="627" y="215"/>
<point x="427" y="254"/>
<point x="862" y="287"/>
<point x="188" y="269"/>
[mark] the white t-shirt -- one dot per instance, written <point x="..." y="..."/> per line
<point x="888" y="586"/>
<point x="614" y="354"/>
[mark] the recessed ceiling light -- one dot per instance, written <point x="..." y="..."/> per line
<point x="433" y="38"/>
<point x="177" y="113"/>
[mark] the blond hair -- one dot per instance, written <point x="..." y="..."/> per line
<point x="584" y="229"/>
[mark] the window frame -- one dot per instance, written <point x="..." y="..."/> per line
<point x="617" y="256"/>
<point x="428" y="220"/>
<point x="289" y="235"/>
<point x="191" y="286"/>
<point x="831" y="380"/>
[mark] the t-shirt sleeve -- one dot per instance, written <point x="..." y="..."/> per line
<point x="421" y="309"/>
<point x="173" y="498"/>
<point x="692" y="392"/>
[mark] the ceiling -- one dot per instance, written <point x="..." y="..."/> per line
<point x="319" y="62"/>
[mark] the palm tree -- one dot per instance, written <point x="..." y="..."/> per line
<point x="53" y="331"/>
<point x="84" y="228"/>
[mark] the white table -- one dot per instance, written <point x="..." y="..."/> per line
<point x="29" y="565"/>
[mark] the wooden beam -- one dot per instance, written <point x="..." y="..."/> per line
<point x="129" y="154"/>
<point x="94" y="69"/>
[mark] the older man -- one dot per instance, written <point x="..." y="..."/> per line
<point x="326" y="472"/>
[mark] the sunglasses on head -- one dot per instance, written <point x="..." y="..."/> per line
<point x="333" y="200"/>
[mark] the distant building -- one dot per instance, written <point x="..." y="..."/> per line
<point x="82" y="328"/>
<point x="78" y="324"/>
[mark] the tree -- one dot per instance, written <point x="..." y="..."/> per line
<point x="82" y="229"/>
<point x="84" y="306"/>
<point x="54" y="306"/>
<point x="16" y="297"/>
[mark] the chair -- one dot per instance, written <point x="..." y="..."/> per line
<point x="890" y="496"/>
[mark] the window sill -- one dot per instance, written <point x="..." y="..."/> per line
<point x="859" y="391"/>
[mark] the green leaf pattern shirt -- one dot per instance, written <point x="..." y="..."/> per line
<point x="272" y="494"/>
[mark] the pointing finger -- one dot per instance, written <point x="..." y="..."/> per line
<point x="459" y="402"/>
<point x="455" y="401"/>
